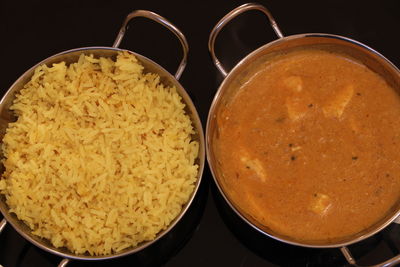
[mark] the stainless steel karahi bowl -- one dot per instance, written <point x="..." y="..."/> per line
<point x="240" y="74"/>
<point x="71" y="56"/>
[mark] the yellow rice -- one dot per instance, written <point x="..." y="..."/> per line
<point x="100" y="157"/>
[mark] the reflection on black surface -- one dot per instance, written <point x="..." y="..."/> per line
<point x="25" y="254"/>
<point x="373" y="250"/>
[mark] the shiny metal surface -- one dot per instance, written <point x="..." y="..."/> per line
<point x="391" y="262"/>
<point x="71" y="56"/>
<point x="63" y="263"/>
<point x="227" y="18"/>
<point x="157" y="18"/>
<point x="3" y="224"/>
<point x="239" y="74"/>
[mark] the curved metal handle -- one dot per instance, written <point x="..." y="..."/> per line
<point x="3" y="224"/>
<point x="228" y="17"/>
<point x="163" y="21"/>
<point x="391" y="262"/>
<point x="63" y="263"/>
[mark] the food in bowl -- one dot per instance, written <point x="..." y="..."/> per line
<point x="308" y="146"/>
<point x="100" y="157"/>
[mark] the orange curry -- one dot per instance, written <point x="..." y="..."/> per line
<point x="310" y="146"/>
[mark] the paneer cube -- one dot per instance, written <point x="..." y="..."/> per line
<point x="299" y="101"/>
<point x="294" y="83"/>
<point x="336" y="105"/>
<point x="320" y="204"/>
<point x="297" y="107"/>
<point x="253" y="165"/>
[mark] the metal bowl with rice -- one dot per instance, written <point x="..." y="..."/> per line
<point x="168" y="80"/>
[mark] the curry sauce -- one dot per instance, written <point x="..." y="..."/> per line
<point x="309" y="146"/>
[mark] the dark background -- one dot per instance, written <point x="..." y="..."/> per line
<point x="209" y="234"/>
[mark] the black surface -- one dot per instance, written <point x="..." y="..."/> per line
<point x="210" y="234"/>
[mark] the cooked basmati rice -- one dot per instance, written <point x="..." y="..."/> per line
<point x="100" y="157"/>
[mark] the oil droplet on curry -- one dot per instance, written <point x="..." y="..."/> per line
<point x="309" y="146"/>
